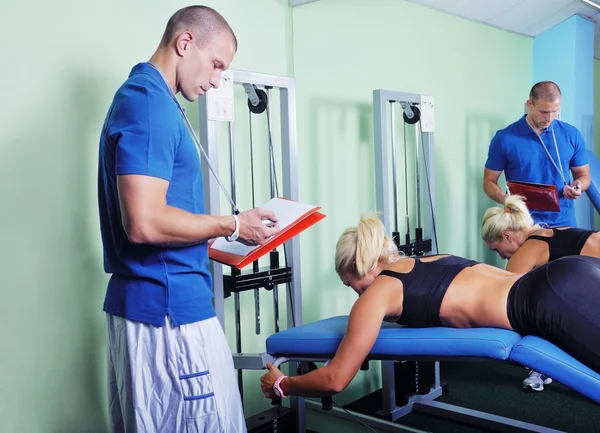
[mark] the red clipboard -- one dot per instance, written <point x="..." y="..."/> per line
<point x="294" y="219"/>
<point x="538" y="196"/>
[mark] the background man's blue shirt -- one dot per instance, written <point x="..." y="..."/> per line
<point x="517" y="151"/>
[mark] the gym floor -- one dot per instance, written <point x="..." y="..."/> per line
<point x="495" y="387"/>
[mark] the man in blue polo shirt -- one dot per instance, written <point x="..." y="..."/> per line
<point x="540" y="149"/>
<point x="169" y="365"/>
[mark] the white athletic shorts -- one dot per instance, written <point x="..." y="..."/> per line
<point x="171" y="379"/>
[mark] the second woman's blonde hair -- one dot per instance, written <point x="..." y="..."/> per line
<point x="360" y="249"/>
<point x="513" y="216"/>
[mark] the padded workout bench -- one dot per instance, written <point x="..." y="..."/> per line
<point x="318" y="341"/>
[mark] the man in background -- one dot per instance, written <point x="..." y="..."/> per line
<point x="538" y="148"/>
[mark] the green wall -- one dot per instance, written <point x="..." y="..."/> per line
<point x="63" y="69"/>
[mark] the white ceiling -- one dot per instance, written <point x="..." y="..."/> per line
<point x="526" y="17"/>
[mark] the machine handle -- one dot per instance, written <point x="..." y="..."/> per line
<point x="276" y="401"/>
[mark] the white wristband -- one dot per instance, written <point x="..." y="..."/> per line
<point x="236" y="232"/>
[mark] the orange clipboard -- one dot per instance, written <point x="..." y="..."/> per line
<point x="294" y="218"/>
<point x="538" y="196"/>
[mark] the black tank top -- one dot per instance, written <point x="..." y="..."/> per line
<point x="566" y="242"/>
<point x="424" y="289"/>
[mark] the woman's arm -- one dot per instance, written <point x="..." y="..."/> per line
<point x="363" y="328"/>
<point x="530" y="255"/>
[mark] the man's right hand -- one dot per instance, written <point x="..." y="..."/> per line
<point x="573" y="191"/>
<point x="253" y="230"/>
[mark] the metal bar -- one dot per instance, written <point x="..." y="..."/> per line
<point x="289" y="164"/>
<point x="365" y="419"/>
<point x="381" y="156"/>
<point x="212" y="202"/>
<point x="251" y="361"/>
<point x="394" y="177"/>
<point x="427" y="143"/>
<point x="417" y="175"/>
<point x="281" y="82"/>
<point x="437" y="382"/>
<point x="398" y="412"/>
<point x="388" y="387"/>
<point x="238" y="337"/>
<point x="256" y="280"/>
<point x="273" y="182"/>
<point x="236" y="296"/>
<point x="323" y="357"/>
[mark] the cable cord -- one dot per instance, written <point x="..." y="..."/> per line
<point x="276" y="187"/>
<point x="271" y="149"/>
<point x="197" y="140"/>
<point x="251" y="158"/>
<point x="407" y="214"/>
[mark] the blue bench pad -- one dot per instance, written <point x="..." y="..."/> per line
<point x="544" y="357"/>
<point x="322" y="338"/>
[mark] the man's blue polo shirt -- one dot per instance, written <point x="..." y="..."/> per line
<point x="144" y="134"/>
<point x="517" y="151"/>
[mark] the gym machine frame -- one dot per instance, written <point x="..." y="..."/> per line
<point x="222" y="284"/>
<point x="384" y="101"/>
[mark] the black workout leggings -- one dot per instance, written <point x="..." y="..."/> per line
<point x="560" y="302"/>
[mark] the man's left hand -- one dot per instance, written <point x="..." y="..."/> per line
<point x="572" y="191"/>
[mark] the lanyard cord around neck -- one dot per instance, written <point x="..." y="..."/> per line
<point x="196" y="140"/>
<point x="559" y="166"/>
